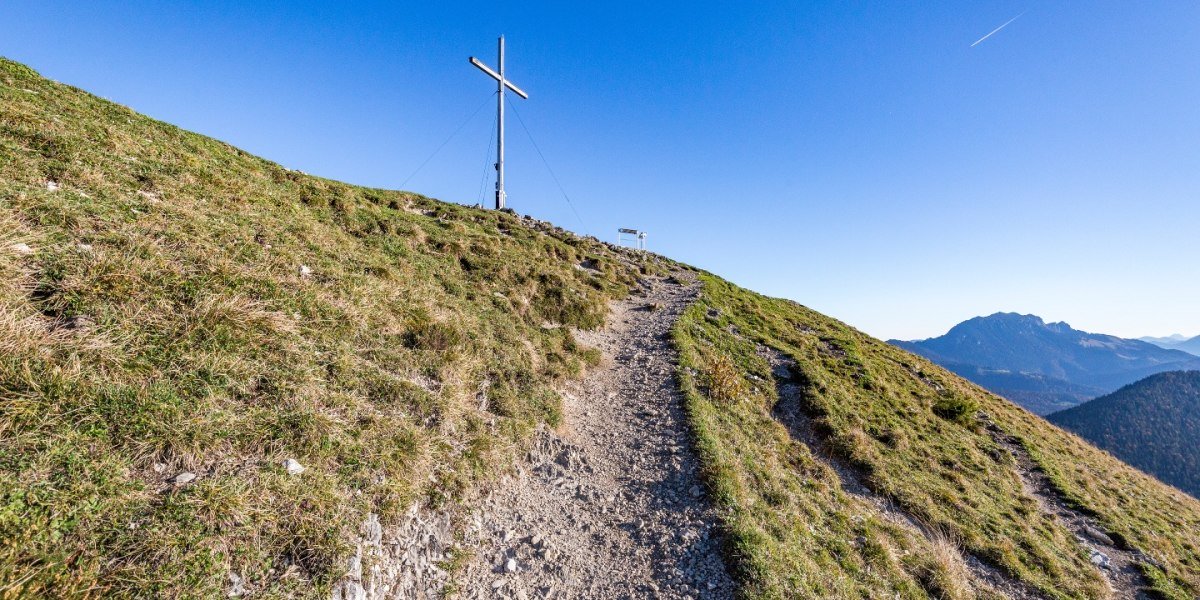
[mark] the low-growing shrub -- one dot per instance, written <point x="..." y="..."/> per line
<point x="954" y="408"/>
<point x="434" y="336"/>
<point x="724" y="379"/>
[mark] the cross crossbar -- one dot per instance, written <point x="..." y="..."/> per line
<point x="496" y="76"/>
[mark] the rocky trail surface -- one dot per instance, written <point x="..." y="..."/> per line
<point x="608" y="505"/>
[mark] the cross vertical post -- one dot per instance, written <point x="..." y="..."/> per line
<point x="501" y="84"/>
<point x="500" y="129"/>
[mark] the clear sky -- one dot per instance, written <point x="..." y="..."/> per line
<point x="861" y="158"/>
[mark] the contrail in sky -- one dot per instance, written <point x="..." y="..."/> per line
<point x="998" y="29"/>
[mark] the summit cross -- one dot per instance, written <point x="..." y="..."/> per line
<point x="501" y="84"/>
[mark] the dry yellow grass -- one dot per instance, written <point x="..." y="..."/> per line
<point x="169" y="303"/>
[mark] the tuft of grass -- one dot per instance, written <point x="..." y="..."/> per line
<point x="948" y="576"/>
<point x="724" y="380"/>
<point x="592" y="357"/>
<point x="162" y="323"/>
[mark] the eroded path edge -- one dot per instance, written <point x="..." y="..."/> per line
<point x="789" y="411"/>
<point x="609" y="505"/>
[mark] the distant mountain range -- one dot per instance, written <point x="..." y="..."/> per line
<point x="1176" y="342"/>
<point x="1169" y="340"/>
<point x="1153" y="424"/>
<point x="1045" y="366"/>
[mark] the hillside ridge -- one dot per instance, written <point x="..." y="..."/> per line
<point x="180" y="319"/>
<point x="1177" y="342"/>
<point x="225" y="377"/>
<point x="1044" y="366"/>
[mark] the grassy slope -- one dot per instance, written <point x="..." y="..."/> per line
<point x="161" y="320"/>
<point x="912" y="427"/>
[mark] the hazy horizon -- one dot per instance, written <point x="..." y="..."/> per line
<point x="899" y="168"/>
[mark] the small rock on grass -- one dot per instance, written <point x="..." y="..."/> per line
<point x="1098" y="535"/>
<point x="237" y="586"/>
<point x="305" y="271"/>
<point x="22" y="249"/>
<point x="184" y="477"/>
<point x="78" y="322"/>
<point x="293" y="466"/>
<point x="51" y="185"/>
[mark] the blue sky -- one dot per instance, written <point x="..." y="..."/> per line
<point x="860" y="158"/>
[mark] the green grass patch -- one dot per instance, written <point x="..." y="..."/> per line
<point x="912" y="430"/>
<point x="190" y="307"/>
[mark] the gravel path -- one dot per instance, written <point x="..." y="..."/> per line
<point x="609" y="505"/>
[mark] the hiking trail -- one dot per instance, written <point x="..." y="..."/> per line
<point x="1118" y="564"/>
<point x="609" y="504"/>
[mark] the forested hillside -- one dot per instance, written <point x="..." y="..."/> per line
<point x="1153" y="424"/>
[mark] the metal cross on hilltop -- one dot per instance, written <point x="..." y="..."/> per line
<point x="501" y="83"/>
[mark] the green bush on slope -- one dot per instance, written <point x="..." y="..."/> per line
<point x="160" y="322"/>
